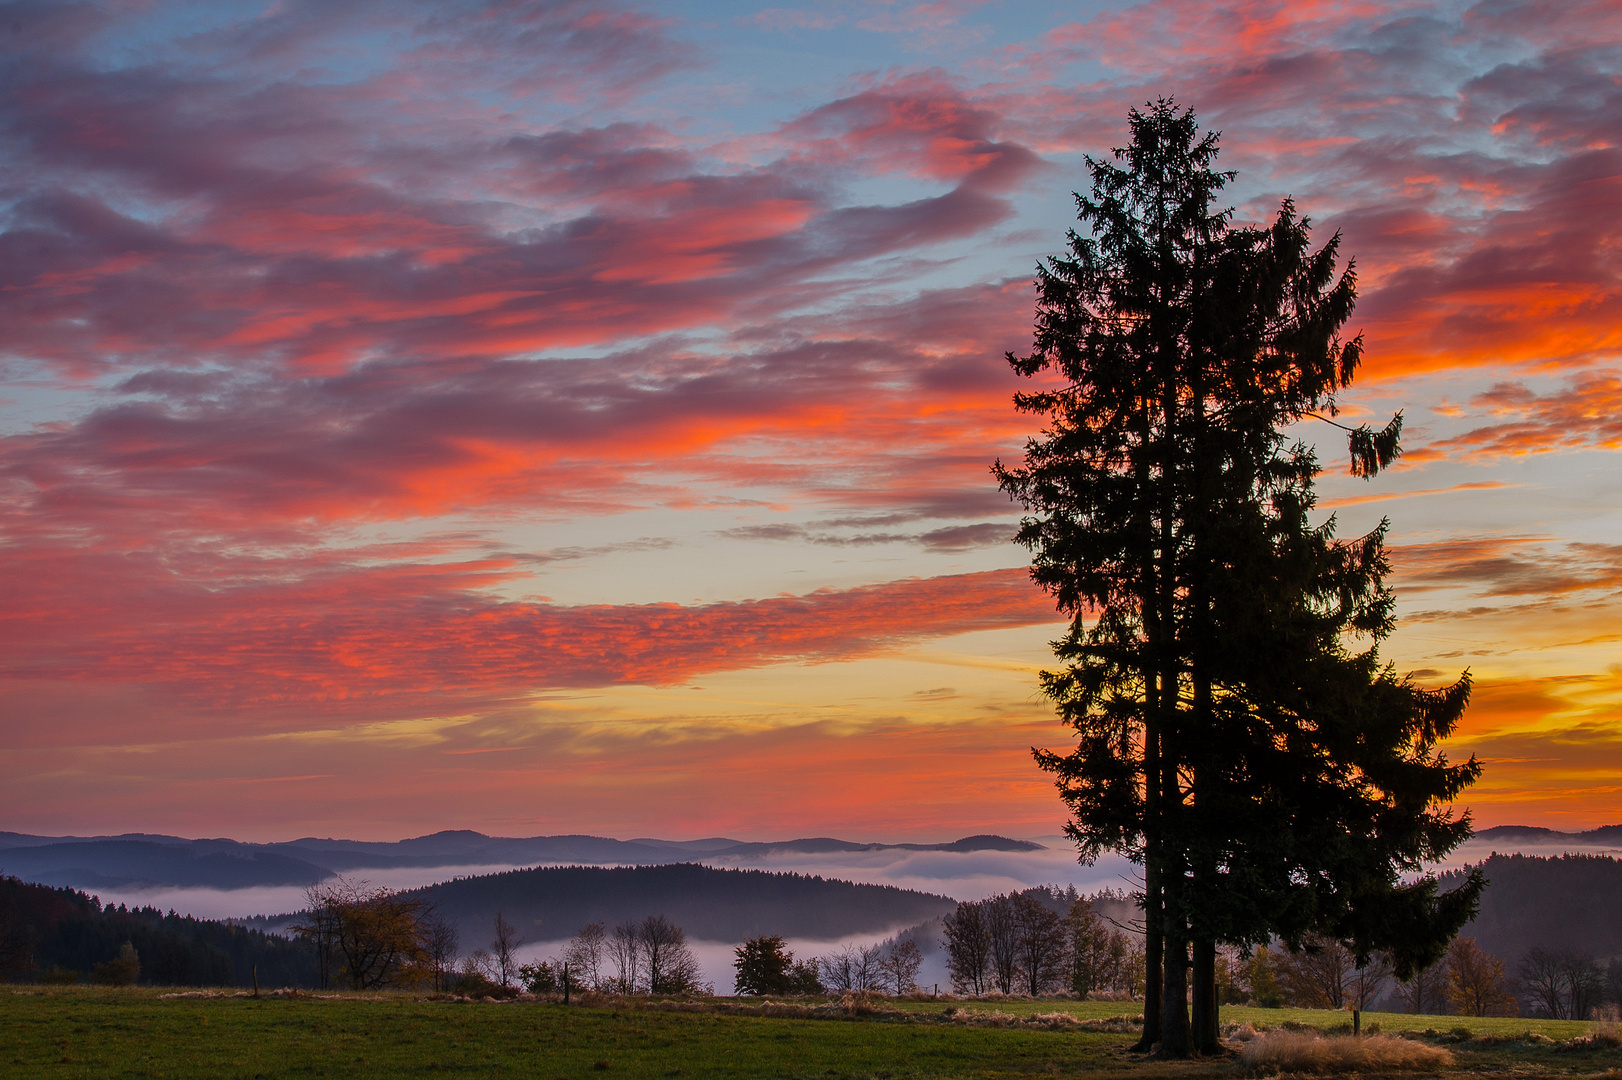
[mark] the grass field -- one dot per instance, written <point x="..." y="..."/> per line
<point x="86" y="1032"/>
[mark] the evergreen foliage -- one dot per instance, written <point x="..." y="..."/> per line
<point x="1236" y="731"/>
<point x="45" y="929"/>
<point x="711" y="904"/>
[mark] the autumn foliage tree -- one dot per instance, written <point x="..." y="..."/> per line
<point x="1235" y="730"/>
<point x="1476" y="983"/>
<point x="373" y="936"/>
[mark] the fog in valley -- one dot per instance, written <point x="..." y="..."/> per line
<point x="959" y="875"/>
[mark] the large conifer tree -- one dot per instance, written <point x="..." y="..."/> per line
<point x="1232" y="733"/>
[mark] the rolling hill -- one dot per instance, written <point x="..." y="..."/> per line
<point x="551" y="903"/>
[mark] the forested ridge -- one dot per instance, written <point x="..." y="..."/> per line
<point x="53" y="932"/>
<point x="551" y="903"/>
<point x="1566" y="902"/>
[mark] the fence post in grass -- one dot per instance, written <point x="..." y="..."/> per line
<point x="256" y="980"/>
<point x="1357" y="1022"/>
<point x="566" y="982"/>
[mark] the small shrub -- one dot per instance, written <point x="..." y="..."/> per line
<point x="475" y="985"/>
<point x="1289" y="1051"/>
<point x="540" y="977"/>
<point x="122" y="970"/>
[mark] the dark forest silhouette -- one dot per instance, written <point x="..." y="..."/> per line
<point x="551" y="903"/>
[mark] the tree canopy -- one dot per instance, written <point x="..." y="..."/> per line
<point x="1235" y="728"/>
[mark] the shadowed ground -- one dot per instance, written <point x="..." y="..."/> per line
<point x="84" y="1032"/>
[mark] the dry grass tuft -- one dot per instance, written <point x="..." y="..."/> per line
<point x="1290" y="1051"/>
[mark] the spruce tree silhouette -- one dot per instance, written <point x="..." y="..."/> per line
<point x="1236" y="732"/>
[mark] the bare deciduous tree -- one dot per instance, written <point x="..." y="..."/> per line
<point x="968" y="948"/>
<point x="1585" y="983"/>
<point x="671" y="966"/>
<point x="1319" y="975"/>
<point x="1367" y="981"/>
<point x="587" y="956"/>
<point x="1426" y="992"/>
<point x="625" y="951"/>
<point x="1543" y="982"/>
<point x="899" y="965"/>
<point x="504" y="948"/>
<point x="836" y="971"/>
<point x="440" y="942"/>
<point x="1563" y="984"/>
<point x="1002" y="935"/>
<point x="852" y="969"/>
<point x="1040" y="944"/>
<point x="866" y="974"/>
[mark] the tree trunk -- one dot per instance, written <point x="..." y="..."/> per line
<point x="1153" y="948"/>
<point x="1174" y="1033"/>
<point x="1153" y="954"/>
<point x="1205" y="1020"/>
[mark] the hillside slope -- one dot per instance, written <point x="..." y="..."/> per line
<point x="1565" y="902"/>
<point x="715" y="905"/>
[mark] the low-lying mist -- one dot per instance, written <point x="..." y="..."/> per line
<point x="959" y="875"/>
<point x="715" y="958"/>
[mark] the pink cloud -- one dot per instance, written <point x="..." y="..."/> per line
<point x="1586" y="414"/>
<point x="336" y="265"/>
<point x="1510" y="566"/>
<point x="308" y="641"/>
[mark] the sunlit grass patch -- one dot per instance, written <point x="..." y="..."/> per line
<point x="1296" y="1051"/>
<point x="1327" y="1020"/>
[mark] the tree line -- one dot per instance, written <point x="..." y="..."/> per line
<point x="1040" y="941"/>
<point x="57" y="934"/>
<point x="646" y="956"/>
<point x="371" y="938"/>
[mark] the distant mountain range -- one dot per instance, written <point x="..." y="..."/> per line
<point x="1532" y="834"/>
<point x="138" y="860"/>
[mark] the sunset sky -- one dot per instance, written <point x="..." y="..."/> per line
<point x="572" y="417"/>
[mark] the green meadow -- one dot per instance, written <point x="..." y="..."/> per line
<point x="88" y="1032"/>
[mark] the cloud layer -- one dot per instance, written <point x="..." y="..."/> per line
<point x="341" y="336"/>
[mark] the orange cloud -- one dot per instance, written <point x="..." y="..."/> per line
<point x="1586" y="415"/>
<point x="285" y="644"/>
<point x="1509" y="566"/>
<point x="880" y="775"/>
<point x="1551" y="750"/>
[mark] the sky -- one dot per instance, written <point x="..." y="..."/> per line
<point x="577" y="416"/>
